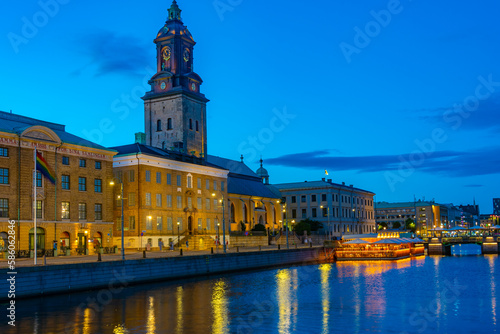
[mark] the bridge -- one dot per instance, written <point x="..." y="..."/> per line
<point x="442" y="245"/>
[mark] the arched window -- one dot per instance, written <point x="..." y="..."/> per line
<point x="197" y="127"/>
<point x="158" y="125"/>
<point x="245" y="213"/>
<point x="190" y="124"/>
<point x="232" y="213"/>
<point x="169" y="124"/>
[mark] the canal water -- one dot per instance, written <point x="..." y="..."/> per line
<point x="456" y="294"/>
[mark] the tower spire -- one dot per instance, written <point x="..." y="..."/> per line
<point x="174" y="12"/>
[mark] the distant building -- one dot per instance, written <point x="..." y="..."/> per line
<point x="496" y="206"/>
<point x="470" y="215"/>
<point x="426" y="215"/>
<point x="76" y="212"/>
<point x="347" y="209"/>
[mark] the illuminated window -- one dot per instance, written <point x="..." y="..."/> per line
<point x="4" y="208"/>
<point x="65" y="210"/>
<point x="82" y="211"/>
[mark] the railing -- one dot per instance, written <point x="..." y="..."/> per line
<point x="455" y="240"/>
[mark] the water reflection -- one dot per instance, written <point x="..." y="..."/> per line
<point x="219" y="308"/>
<point x="372" y="297"/>
<point x="325" y="270"/>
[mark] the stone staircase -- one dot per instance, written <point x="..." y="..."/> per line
<point x="198" y="242"/>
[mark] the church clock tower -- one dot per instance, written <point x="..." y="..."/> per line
<point x="175" y="109"/>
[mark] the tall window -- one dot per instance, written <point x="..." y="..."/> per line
<point x="148" y="176"/>
<point x="158" y="177"/>
<point x="209" y="228"/>
<point x="313" y="198"/>
<point x="158" y="125"/>
<point x="199" y="183"/>
<point x="200" y="224"/>
<point x="190" y="181"/>
<point x="179" y="202"/>
<point x="4" y="208"/>
<point x="98" y="165"/>
<point x="39" y="209"/>
<point x="39" y="182"/>
<point x="4" y="152"/>
<point x="215" y="185"/>
<point x="65" y="161"/>
<point x="179" y="180"/>
<point x="190" y="203"/>
<point x="294" y="199"/>
<point x="190" y="124"/>
<point x="158" y="200"/>
<point x="82" y="211"/>
<point x="148" y="199"/>
<point x="149" y="223"/>
<point x="4" y="176"/>
<point x="98" y="185"/>
<point x="169" y="201"/>
<point x="159" y="223"/>
<point x="197" y="126"/>
<point x="207" y="204"/>
<point x="131" y="176"/>
<point x="131" y="199"/>
<point x="323" y="197"/>
<point x="65" y="210"/>
<point x="199" y="203"/>
<point x="65" y="182"/>
<point x="169" y="124"/>
<point x="169" y="179"/>
<point x="82" y="184"/>
<point x="83" y="163"/>
<point x="170" y="224"/>
<point x="131" y="223"/>
<point x="98" y="211"/>
<point x="222" y="186"/>
<point x="208" y="184"/>
<point x="303" y="198"/>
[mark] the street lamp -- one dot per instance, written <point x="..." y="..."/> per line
<point x="223" y="222"/>
<point x="179" y="234"/>
<point x="218" y="237"/>
<point x="285" y="220"/>
<point x="329" y="229"/>
<point x="112" y="183"/>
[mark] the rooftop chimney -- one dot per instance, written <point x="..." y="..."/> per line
<point x="140" y="138"/>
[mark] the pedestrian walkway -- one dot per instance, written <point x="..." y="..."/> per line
<point x="136" y="255"/>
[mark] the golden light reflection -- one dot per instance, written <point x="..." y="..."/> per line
<point x="87" y="317"/>
<point x="219" y="308"/>
<point x="180" y="310"/>
<point x="370" y="268"/>
<point x="120" y="329"/>
<point x="283" y="281"/>
<point x="151" y="321"/>
<point x="325" y="295"/>
<point x="492" y="259"/>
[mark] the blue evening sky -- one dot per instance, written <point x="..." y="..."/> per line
<point x="400" y="98"/>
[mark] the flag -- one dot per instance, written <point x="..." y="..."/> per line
<point x="43" y="167"/>
<point x="326" y="172"/>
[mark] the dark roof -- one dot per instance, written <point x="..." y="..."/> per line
<point x="317" y="184"/>
<point x="14" y="123"/>
<point x="157" y="152"/>
<point x="241" y="179"/>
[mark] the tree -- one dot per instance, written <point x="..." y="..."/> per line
<point x="301" y="227"/>
<point x="259" y="228"/>
<point x="315" y="225"/>
<point x="410" y="225"/>
<point x="382" y="225"/>
<point x="243" y="226"/>
<point x="396" y="225"/>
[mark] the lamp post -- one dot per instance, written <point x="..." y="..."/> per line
<point x="218" y="237"/>
<point x="179" y="234"/>
<point x="328" y="221"/>
<point x="112" y="183"/>
<point x="223" y="222"/>
<point x="285" y="220"/>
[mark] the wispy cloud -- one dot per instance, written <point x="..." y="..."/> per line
<point x="474" y="186"/>
<point x="111" y="53"/>
<point x="445" y="163"/>
<point x="484" y="117"/>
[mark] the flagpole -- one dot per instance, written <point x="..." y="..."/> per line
<point x="34" y="203"/>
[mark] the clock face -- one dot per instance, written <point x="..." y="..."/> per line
<point x="163" y="85"/>
<point x="186" y="55"/>
<point x="166" y="53"/>
<point x="193" y="86"/>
